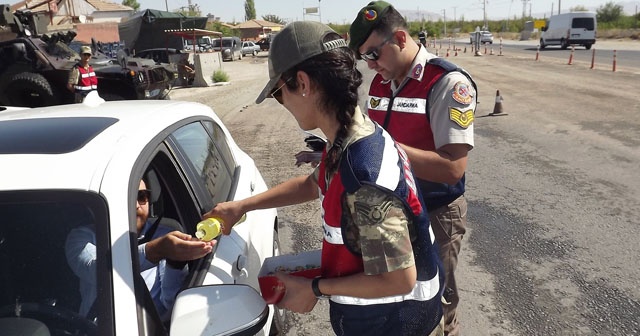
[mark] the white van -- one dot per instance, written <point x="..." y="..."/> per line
<point x="576" y="28"/>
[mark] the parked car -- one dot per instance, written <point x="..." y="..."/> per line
<point x="485" y="37"/>
<point x="80" y="165"/>
<point x="250" y="48"/>
<point x="575" y="28"/>
<point x="203" y="44"/>
<point x="230" y="47"/>
<point x="264" y="44"/>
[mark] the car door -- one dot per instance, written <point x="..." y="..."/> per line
<point x="179" y="161"/>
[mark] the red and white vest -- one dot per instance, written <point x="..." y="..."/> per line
<point x="87" y="80"/>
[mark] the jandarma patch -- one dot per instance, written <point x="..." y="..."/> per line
<point x="374" y="102"/>
<point x="417" y="71"/>
<point x="462" y="93"/>
<point x="462" y="118"/>
<point x="370" y="15"/>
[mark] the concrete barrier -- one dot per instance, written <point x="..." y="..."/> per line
<point x="205" y="64"/>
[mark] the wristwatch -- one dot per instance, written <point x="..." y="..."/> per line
<point x="316" y="289"/>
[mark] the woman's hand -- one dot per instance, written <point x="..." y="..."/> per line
<point x="229" y="212"/>
<point x="298" y="296"/>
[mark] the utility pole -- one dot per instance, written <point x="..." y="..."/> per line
<point x="166" y="5"/>
<point x="484" y="11"/>
<point x="444" y="18"/>
<point x="559" y="4"/>
<point x="319" y="12"/>
<point x="454" y="14"/>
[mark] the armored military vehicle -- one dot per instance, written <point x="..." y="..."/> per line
<point x="35" y="65"/>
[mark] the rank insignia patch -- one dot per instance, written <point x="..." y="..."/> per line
<point x="462" y="93"/>
<point x="374" y="102"/>
<point x="462" y="118"/>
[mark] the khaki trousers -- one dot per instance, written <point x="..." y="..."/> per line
<point x="449" y="226"/>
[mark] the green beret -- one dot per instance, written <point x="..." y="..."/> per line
<point x="365" y="21"/>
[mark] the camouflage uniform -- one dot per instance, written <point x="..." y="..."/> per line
<point x="375" y="222"/>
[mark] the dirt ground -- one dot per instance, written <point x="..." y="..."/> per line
<point x="552" y="188"/>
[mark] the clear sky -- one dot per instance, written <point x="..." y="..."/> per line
<point x="344" y="11"/>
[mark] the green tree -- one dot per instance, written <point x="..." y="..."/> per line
<point x="189" y="12"/>
<point x="273" y="18"/>
<point x="609" y="12"/>
<point x="579" y="8"/>
<point x="131" y="3"/>
<point x="249" y="10"/>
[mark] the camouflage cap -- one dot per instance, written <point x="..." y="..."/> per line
<point x="366" y="19"/>
<point x="85" y="50"/>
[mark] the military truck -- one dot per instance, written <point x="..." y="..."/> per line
<point x="35" y="66"/>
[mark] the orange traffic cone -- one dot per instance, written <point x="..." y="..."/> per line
<point x="497" y="108"/>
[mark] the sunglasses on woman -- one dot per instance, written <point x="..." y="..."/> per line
<point x="277" y="93"/>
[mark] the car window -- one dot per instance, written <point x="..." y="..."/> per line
<point x="586" y="23"/>
<point x="41" y="277"/>
<point x="210" y="157"/>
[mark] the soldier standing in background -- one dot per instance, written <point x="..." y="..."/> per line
<point x="82" y="78"/>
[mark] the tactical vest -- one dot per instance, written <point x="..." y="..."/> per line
<point x="406" y="118"/>
<point x="367" y="162"/>
<point x="87" y="80"/>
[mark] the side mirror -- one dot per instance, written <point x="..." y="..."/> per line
<point x="543" y="28"/>
<point x="219" y="309"/>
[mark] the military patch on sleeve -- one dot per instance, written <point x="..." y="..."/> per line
<point x="374" y="102"/>
<point x="462" y="93"/>
<point x="462" y="118"/>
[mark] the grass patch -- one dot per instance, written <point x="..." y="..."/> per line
<point x="220" y="76"/>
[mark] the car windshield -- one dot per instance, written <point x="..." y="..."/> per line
<point x="37" y="280"/>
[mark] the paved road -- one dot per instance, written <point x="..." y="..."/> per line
<point x="627" y="52"/>
<point x="553" y="190"/>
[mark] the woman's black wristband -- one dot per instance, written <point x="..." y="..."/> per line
<point x="316" y="289"/>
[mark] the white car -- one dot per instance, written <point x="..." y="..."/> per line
<point x="485" y="37"/>
<point x="250" y="48"/>
<point x="81" y="164"/>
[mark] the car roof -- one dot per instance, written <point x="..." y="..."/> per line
<point x="70" y="146"/>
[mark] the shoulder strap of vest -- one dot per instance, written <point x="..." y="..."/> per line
<point x="448" y="67"/>
<point x="347" y="175"/>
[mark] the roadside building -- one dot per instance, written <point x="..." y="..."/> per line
<point x="89" y="18"/>
<point x="256" y="29"/>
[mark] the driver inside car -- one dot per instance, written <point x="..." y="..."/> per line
<point x="162" y="259"/>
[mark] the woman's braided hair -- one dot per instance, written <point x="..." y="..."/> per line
<point x="335" y="75"/>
